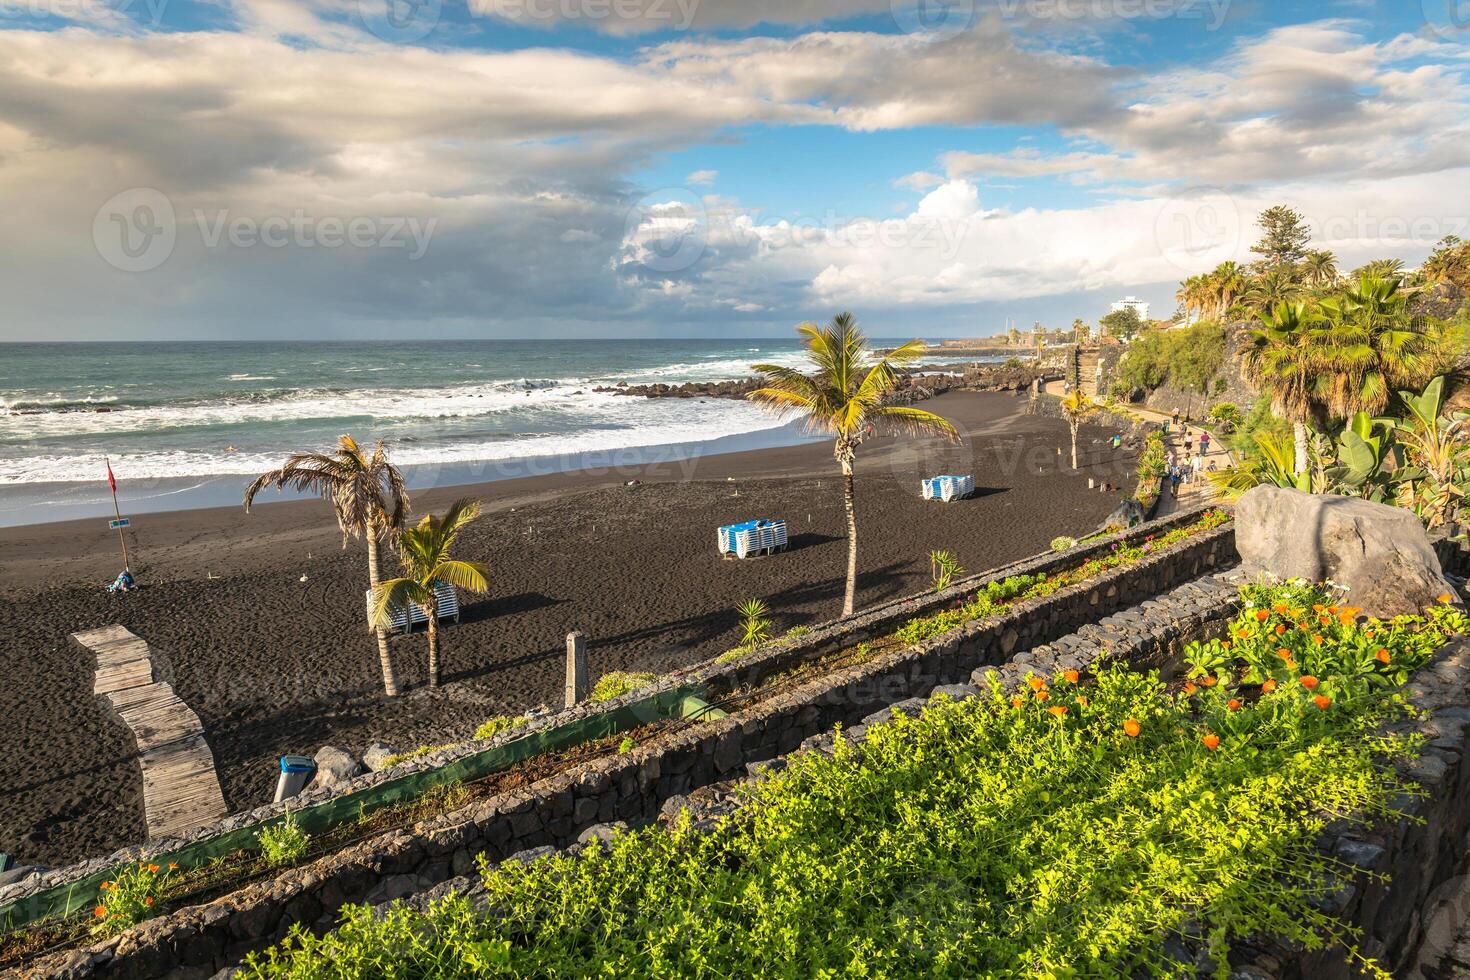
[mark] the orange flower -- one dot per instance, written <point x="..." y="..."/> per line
<point x="1131" y="728"/>
<point x="1036" y="683"/>
<point x="1283" y="653"/>
<point x="148" y="900"/>
<point x="1281" y="609"/>
<point x="1383" y="656"/>
<point x="1262" y="615"/>
<point x="1322" y="701"/>
<point x="1309" y="682"/>
<point x="1280" y="629"/>
<point x="1057" y="710"/>
<point x="173" y="865"/>
<point x="1082" y="701"/>
<point x="1445" y="599"/>
<point x="1226" y="644"/>
<point x="1212" y="741"/>
<point x="1042" y="695"/>
<point x="1070" y="676"/>
<point x="1318" y="607"/>
<point x="1317" y="638"/>
<point x="1016" y="702"/>
<point x="1243" y="633"/>
<point x="99" y="913"/>
<point x="153" y="869"/>
<point x="1347" y="614"/>
<point x="1324" y="620"/>
<point x="1233" y="704"/>
<point x="1189" y="687"/>
<point x="1268" y="687"/>
<point x="1209" y="680"/>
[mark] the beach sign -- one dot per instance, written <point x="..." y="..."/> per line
<point x="119" y="524"/>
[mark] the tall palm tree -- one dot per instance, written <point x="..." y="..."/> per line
<point x="424" y="552"/>
<point x="1377" y="347"/>
<point x="368" y="496"/>
<point x="1077" y="407"/>
<point x="1320" y="267"/>
<point x="1284" y="357"/>
<point x="844" y="398"/>
<point x="1222" y="287"/>
<point x="1380" y="269"/>
<point x="1271" y="289"/>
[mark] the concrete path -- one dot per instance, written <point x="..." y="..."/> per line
<point x="181" y="790"/>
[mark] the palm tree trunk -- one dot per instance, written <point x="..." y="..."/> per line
<point x="1299" y="437"/>
<point x="434" y="641"/>
<point x="390" y="681"/>
<point x="849" y="599"/>
<point x="1074" y="445"/>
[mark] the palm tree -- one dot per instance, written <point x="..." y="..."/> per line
<point x="1222" y="287"/>
<point x="844" y="398"/>
<point x="1380" y="269"/>
<point x="424" y="552"/>
<point x="1320" y="267"/>
<point x="368" y="496"/>
<point x="1273" y="288"/>
<point x="1284" y="358"/>
<point x="1076" y="407"/>
<point x="1377" y="347"/>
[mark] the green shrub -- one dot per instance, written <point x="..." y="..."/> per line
<point x="755" y="624"/>
<point x="797" y="632"/>
<point x="626" y="745"/>
<point x="1069" y="836"/>
<point x="944" y="568"/>
<point x="499" y="725"/>
<point x="617" y="683"/>
<point x="1063" y="543"/>
<point x="1227" y="416"/>
<point x="131" y="896"/>
<point x="283" y="843"/>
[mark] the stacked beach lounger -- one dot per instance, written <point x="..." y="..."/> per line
<point x="448" y="608"/>
<point x="752" y="538"/>
<point x="948" y="488"/>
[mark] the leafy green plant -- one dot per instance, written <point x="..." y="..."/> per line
<point x="797" y="632"/>
<point x="283" y="843"/>
<point x="1153" y="463"/>
<point x="1063" y="543"/>
<point x="1368" y="464"/>
<point x="617" y="683"/>
<point x="1438" y="452"/>
<point x="755" y="624"/>
<point x="501" y="724"/>
<point x="944" y="568"/>
<point x="418" y="753"/>
<point x="131" y="896"/>
<point x="626" y="745"/>
<point x="1227" y="416"/>
<point x="1072" y="830"/>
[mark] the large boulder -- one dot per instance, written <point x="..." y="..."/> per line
<point x="1379" y="554"/>
<point x="377" y="755"/>
<point x="335" y="767"/>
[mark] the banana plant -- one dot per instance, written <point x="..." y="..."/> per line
<point x="1370" y="462"/>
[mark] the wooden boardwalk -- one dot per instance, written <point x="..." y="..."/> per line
<point x="180" y="788"/>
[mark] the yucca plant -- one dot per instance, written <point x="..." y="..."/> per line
<point x="944" y="568"/>
<point x="424" y="552"/>
<point x="844" y="398"/>
<point x="755" y="624"/>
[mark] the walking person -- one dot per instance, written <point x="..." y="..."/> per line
<point x="1197" y="466"/>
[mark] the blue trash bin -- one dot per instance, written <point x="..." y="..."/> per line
<point x="296" y="770"/>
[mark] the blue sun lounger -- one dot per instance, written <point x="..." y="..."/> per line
<point x="948" y="488"/>
<point x="752" y="537"/>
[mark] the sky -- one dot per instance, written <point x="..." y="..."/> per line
<point x="296" y="169"/>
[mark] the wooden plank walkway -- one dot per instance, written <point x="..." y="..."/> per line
<point x="180" y="787"/>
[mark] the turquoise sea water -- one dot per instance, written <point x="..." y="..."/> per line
<point x="177" y="419"/>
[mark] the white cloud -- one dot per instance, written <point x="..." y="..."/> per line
<point x="702" y="177"/>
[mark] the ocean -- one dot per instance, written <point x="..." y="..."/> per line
<point x="187" y="424"/>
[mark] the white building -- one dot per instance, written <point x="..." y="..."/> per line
<point x="1135" y="304"/>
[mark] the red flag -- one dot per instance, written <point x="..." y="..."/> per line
<point x="111" y="480"/>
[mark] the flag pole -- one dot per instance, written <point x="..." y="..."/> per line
<point x="121" y="538"/>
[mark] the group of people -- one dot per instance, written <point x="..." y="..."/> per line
<point x="1189" y="466"/>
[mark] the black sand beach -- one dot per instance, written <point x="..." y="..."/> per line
<point x="275" y="664"/>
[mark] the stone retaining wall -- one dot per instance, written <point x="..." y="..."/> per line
<point x="196" y="942"/>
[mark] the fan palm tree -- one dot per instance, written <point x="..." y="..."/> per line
<point x="1284" y="358"/>
<point x="844" y="398"/>
<point x="1380" y="269"/>
<point x="424" y="552"/>
<point x="1377" y="347"/>
<point x="368" y="496"/>
<point x="1077" y="407"/>
<point x="1271" y="289"/>
<point x="1320" y="267"/>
